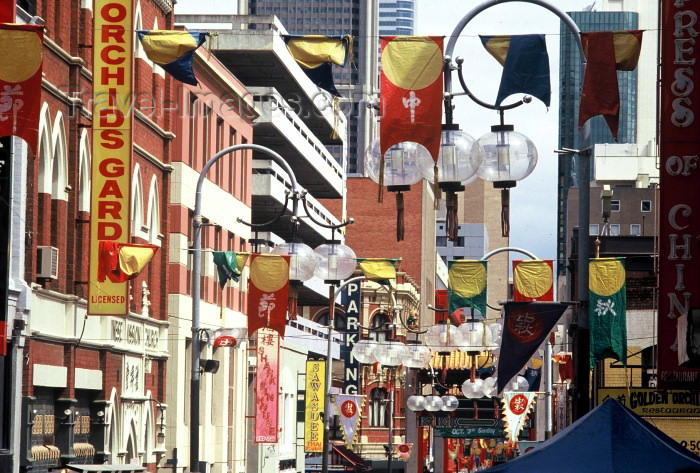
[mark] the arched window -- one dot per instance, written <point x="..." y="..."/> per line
<point x="153" y="215"/>
<point x="59" y="165"/>
<point x="45" y="151"/>
<point x="84" y="172"/>
<point x="339" y="320"/>
<point x="380" y="327"/>
<point x="378" y="413"/>
<point x="137" y="204"/>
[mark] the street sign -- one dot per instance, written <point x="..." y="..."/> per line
<point x="463" y="422"/>
<point x="469" y="432"/>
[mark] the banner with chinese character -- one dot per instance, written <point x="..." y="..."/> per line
<point x="607" y="309"/>
<point x="411" y="92"/>
<point x="315" y="402"/>
<point x="268" y="292"/>
<point x="516" y="406"/>
<point x="267" y="387"/>
<point x="111" y="147"/>
<point x="20" y="79"/>
<point x="348" y="408"/>
<point x="679" y="193"/>
<point x="402" y="451"/>
<point x="533" y="280"/>
<point x="525" y="326"/>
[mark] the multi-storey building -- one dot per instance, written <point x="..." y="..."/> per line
<point x="293" y="118"/>
<point x="93" y="388"/>
<point x="396" y="18"/>
<point x="216" y="114"/>
<point x="357" y="81"/>
<point x="571" y="80"/>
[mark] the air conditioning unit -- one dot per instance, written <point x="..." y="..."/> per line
<point x="47" y="262"/>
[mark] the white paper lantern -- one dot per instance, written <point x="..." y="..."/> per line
<point x="475" y="338"/>
<point x="472" y="390"/>
<point x="363" y="352"/>
<point x="391" y="353"/>
<point x="443" y="338"/>
<point x="416" y="403"/>
<point x="433" y="403"/>
<point x="519" y="384"/>
<point x="489" y="387"/>
<point x="449" y="403"/>
<point x="417" y="356"/>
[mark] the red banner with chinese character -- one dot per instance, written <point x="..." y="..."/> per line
<point x="411" y="91"/>
<point x="268" y="289"/>
<point x="679" y="200"/>
<point x="267" y="387"/>
<point x="20" y="81"/>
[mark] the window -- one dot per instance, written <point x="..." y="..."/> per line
<point x="232" y="162"/>
<point x="614" y="205"/>
<point x="219" y="147"/>
<point x="460" y="242"/>
<point x="593" y="229"/>
<point x="380" y="320"/>
<point x="193" y="128"/>
<point x="441" y="241"/>
<point x="635" y="229"/>
<point x="206" y="133"/>
<point x="378" y="408"/>
<point x="646" y="206"/>
<point x="615" y="229"/>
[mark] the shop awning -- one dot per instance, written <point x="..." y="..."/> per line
<point x="106" y="468"/>
<point x="355" y="460"/>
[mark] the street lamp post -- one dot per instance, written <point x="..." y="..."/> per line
<point x="196" y="272"/>
<point x="581" y="340"/>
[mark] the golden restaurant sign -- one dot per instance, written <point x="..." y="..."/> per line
<point x="648" y="402"/>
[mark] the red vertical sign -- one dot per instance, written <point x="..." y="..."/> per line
<point x="268" y="292"/>
<point x="679" y="202"/>
<point x="267" y="387"/>
<point x="8" y="11"/>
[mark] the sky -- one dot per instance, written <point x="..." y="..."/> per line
<point x="533" y="213"/>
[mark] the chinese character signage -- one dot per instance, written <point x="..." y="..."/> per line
<point x="679" y="196"/>
<point x="350" y="299"/>
<point x="348" y="408"/>
<point x="20" y="79"/>
<point x="525" y="326"/>
<point x="111" y="146"/>
<point x="267" y="387"/>
<point x="268" y="292"/>
<point x="315" y="404"/>
<point x="607" y="305"/>
<point x="516" y="406"/>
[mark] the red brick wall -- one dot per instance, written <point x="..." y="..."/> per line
<point x="373" y="235"/>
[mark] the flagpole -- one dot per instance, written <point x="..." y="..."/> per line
<point x="196" y="290"/>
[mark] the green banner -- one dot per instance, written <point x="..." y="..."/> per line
<point x="466" y="281"/>
<point x="607" y="305"/>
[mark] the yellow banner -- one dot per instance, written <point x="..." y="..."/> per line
<point x="111" y="145"/>
<point x="315" y="403"/>
<point x="647" y="402"/>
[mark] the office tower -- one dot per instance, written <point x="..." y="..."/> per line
<point x="570" y="80"/>
<point x="358" y="80"/>
<point x="396" y="18"/>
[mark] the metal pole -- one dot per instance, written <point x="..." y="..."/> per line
<point x="329" y="379"/>
<point x="391" y="429"/>
<point x="196" y="292"/>
<point x="582" y="343"/>
<point x="548" y="390"/>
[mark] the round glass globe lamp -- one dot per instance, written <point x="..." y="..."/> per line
<point x="401" y="163"/>
<point x="489" y="386"/>
<point x="433" y="403"/>
<point x="363" y="351"/>
<point x="476" y="337"/>
<point x="302" y="260"/>
<point x="508" y="156"/>
<point x="417" y="356"/>
<point x="391" y="353"/>
<point x="443" y="338"/>
<point x="416" y="403"/>
<point x="335" y="261"/>
<point x="449" y="403"/>
<point x="519" y="384"/>
<point x="473" y="389"/>
<point x="459" y="158"/>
